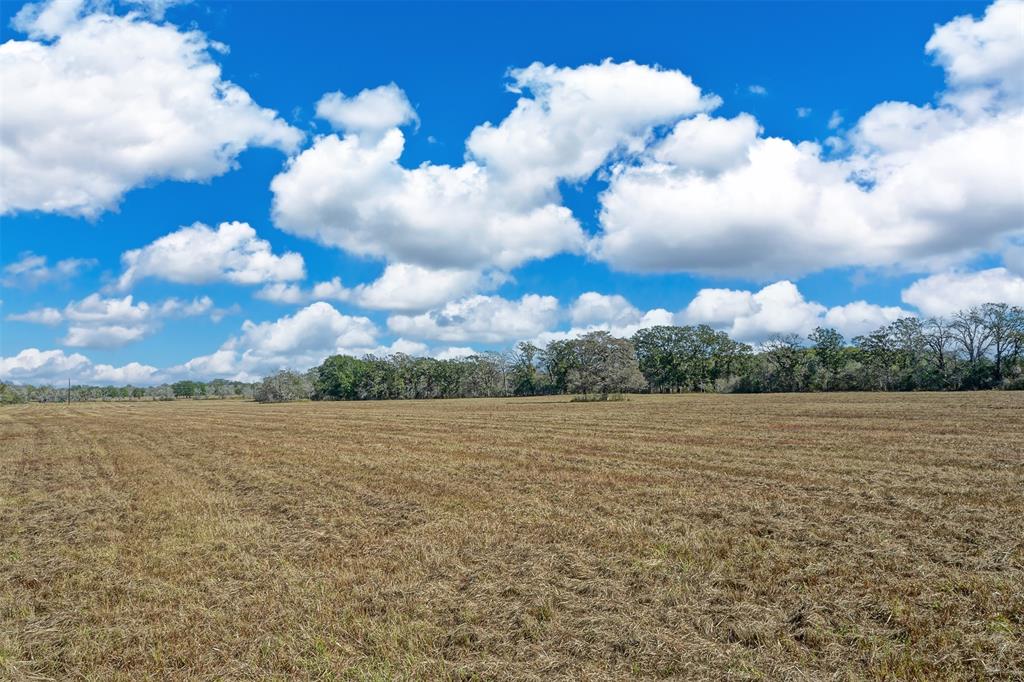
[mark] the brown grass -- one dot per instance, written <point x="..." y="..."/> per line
<point x="696" y="537"/>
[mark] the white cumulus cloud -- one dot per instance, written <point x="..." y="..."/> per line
<point x="914" y="178"/>
<point x="949" y="292"/>
<point x="501" y="207"/>
<point x="779" y="309"/>
<point x="489" y="319"/>
<point x="401" y="286"/>
<point x="106" y="103"/>
<point x="372" y="111"/>
<point x="199" y="254"/>
<point x="34" y="366"/>
<point x="298" y="341"/>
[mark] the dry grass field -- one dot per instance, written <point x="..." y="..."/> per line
<point x="691" y="537"/>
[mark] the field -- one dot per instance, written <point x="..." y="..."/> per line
<point x="695" y="537"/>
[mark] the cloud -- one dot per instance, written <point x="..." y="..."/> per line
<point x="49" y="316"/>
<point x="779" y="309"/>
<point x="912" y="178"/>
<point x="104" y="335"/>
<point x="34" y="366"/>
<point x="1013" y="259"/>
<point x="594" y="308"/>
<point x="592" y="311"/>
<point x="501" y="207"/>
<point x="156" y="8"/>
<point x="132" y="373"/>
<point x="298" y="341"/>
<point x="371" y="112"/>
<point x="706" y="144"/>
<point x="98" y="322"/>
<point x="949" y="292"/>
<point x="343" y="193"/>
<point x="488" y="319"/>
<point x="861" y="317"/>
<point x="31" y="270"/>
<point x="757" y="90"/>
<point x="455" y="353"/>
<point x="199" y="254"/>
<point x="983" y="53"/>
<point x="835" y="120"/>
<point x="401" y="286"/>
<point x="803" y="112"/>
<point x="116" y="102"/>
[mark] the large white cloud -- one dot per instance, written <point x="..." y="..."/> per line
<point x="983" y="53"/>
<point x="356" y="196"/>
<point x="501" y="207"/>
<point x="34" y="366"/>
<point x="112" y="103"/>
<point x="780" y="309"/>
<point x="489" y="319"/>
<point x="949" y="292"/>
<point x="568" y="121"/>
<point x="297" y="341"/>
<point x="923" y="187"/>
<point x="199" y="254"/>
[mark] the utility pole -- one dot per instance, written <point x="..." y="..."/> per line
<point x="69" y="391"/>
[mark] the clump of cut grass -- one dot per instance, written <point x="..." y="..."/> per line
<point x="599" y="398"/>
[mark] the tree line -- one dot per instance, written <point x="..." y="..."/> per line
<point x="978" y="348"/>
<point x="216" y="389"/>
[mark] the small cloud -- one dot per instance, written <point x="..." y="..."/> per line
<point x="758" y="90"/>
<point x="835" y="143"/>
<point x="32" y="270"/>
<point x="803" y="112"/>
<point x="835" y="120"/>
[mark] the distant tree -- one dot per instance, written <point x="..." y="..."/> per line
<point x="829" y="350"/>
<point x="1004" y="327"/>
<point x="339" y="377"/>
<point x="283" y="386"/>
<point x="788" y="362"/>
<point x="939" y="340"/>
<point x="186" y="389"/>
<point x="524" y="375"/>
<point x="973" y="337"/>
<point x="9" y="394"/>
<point x="604" y="364"/>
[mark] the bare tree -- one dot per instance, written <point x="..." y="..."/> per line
<point x="1003" y="325"/>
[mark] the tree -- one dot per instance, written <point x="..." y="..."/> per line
<point x="687" y="358"/>
<point x="788" y="360"/>
<point x="523" y="375"/>
<point x="939" y="340"/>
<point x="1004" y="326"/>
<point x="828" y="349"/>
<point x="339" y="377"/>
<point x="185" y="389"/>
<point x="283" y="386"/>
<point x="604" y="364"/>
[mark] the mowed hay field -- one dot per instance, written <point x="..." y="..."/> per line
<point x="691" y="537"/>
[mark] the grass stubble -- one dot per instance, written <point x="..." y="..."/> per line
<point x="691" y="537"/>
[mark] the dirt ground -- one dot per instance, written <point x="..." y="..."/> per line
<point x="852" y="536"/>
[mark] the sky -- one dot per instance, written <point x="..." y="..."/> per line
<point x="224" y="189"/>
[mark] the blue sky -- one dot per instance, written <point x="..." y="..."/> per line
<point x="761" y="167"/>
